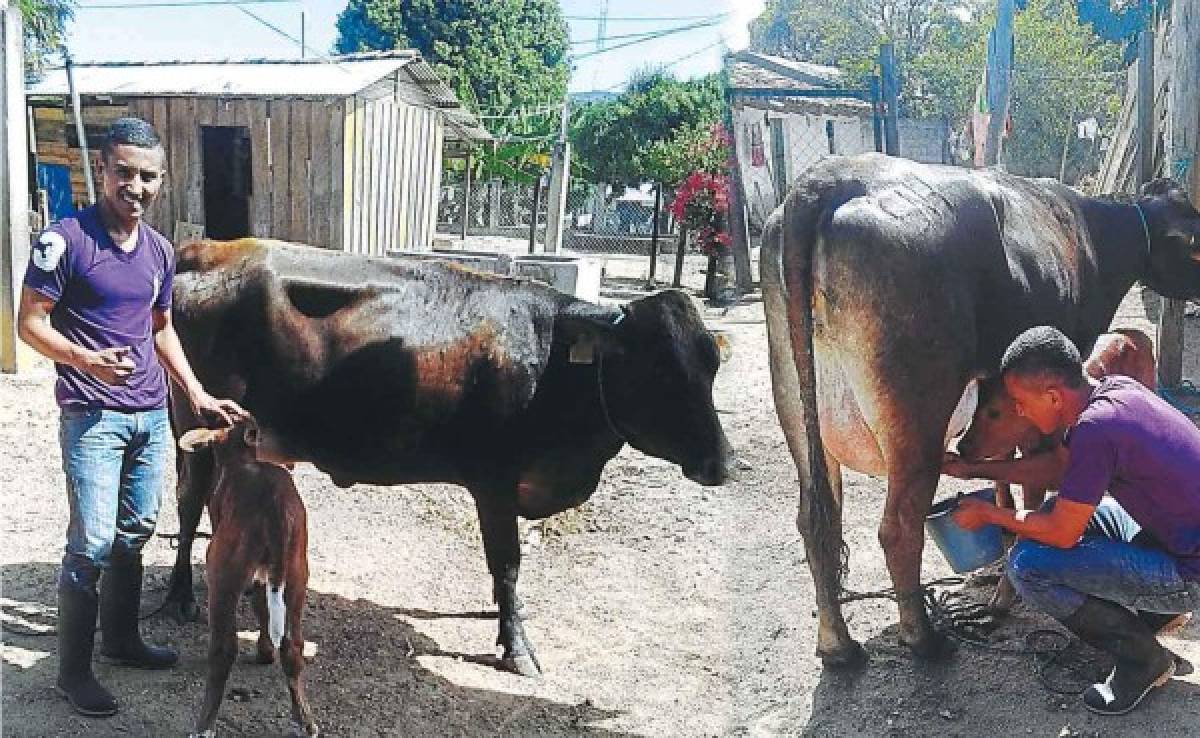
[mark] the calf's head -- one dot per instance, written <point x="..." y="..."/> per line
<point x="656" y="366"/>
<point x="996" y="428"/>
<point x="1173" y="230"/>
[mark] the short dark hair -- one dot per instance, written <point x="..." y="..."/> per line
<point x="1046" y="355"/>
<point x="132" y="132"/>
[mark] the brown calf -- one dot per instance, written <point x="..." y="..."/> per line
<point x="997" y="430"/>
<point x="260" y="535"/>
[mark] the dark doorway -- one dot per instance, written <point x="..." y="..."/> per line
<point x="227" y="178"/>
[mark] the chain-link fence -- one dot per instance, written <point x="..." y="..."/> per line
<point x="615" y="225"/>
<point x="495" y="209"/>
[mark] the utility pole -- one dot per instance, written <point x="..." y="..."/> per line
<point x="560" y="179"/>
<point x="1183" y="147"/>
<point x="302" y="30"/>
<point x="999" y="79"/>
<point x="80" y="132"/>
<point x="14" y="184"/>
<point x="891" y="94"/>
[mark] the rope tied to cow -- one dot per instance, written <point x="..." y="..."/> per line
<point x="1061" y="669"/>
<point x="16" y="620"/>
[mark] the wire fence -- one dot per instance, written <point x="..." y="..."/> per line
<point x="614" y="225"/>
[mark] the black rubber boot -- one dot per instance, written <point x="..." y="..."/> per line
<point x="1167" y="624"/>
<point x="76" y="638"/>
<point x="1141" y="662"/>
<point x="120" y="604"/>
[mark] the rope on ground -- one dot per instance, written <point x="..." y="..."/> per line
<point x="10" y="624"/>
<point x="968" y="622"/>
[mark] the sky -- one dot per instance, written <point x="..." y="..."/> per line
<point x="216" y="32"/>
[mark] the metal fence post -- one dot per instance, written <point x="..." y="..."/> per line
<point x="876" y="113"/>
<point x="891" y="94"/>
<point x="654" y="234"/>
<point x="533" y="216"/>
<point x="466" y="208"/>
<point x="680" y="249"/>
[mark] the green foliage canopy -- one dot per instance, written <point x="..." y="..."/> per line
<point x="621" y="141"/>
<point x="497" y="55"/>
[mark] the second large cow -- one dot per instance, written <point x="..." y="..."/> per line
<point x="888" y="286"/>
<point x="391" y="371"/>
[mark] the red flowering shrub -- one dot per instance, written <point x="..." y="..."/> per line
<point x="701" y="203"/>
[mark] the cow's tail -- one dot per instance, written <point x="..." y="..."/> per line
<point x="789" y="242"/>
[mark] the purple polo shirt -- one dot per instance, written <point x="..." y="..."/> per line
<point x="1146" y="454"/>
<point x="104" y="299"/>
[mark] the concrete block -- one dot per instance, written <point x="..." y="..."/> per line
<point x="570" y="274"/>
<point x="483" y="261"/>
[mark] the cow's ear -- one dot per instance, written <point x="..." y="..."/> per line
<point x="589" y="330"/>
<point x="197" y="439"/>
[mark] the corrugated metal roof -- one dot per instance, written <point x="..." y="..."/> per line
<point x="764" y="72"/>
<point x="246" y="78"/>
<point x="750" y="69"/>
<point x="338" y="76"/>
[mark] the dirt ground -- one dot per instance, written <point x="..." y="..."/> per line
<point x="661" y="608"/>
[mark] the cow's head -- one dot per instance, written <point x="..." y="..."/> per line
<point x="1173" y="225"/>
<point x="656" y="365"/>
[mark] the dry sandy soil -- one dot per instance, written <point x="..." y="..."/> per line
<point x="660" y="608"/>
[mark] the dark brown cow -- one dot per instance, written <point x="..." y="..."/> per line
<point x="888" y="286"/>
<point x="260" y="536"/>
<point x="392" y="371"/>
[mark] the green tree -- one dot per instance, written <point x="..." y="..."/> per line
<point x="497" y="55"/>
<point x="614" y="139"/>
<point x="1062" y="74"/>
<point x="847" y="35"/>
<point x="1062" y="71"/>
<point x="44" y="21"/>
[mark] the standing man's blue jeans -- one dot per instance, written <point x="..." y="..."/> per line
<point x="114" y="462"/>
<point x="1106" y="563"/>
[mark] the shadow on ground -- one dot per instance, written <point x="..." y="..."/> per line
<point x="367" y="678"/>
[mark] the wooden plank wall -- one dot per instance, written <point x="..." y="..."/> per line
<point x="393" y="172"/>
<point x="359" y="174"/>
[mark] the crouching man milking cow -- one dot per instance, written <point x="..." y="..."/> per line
<point x="1114" y="569"/>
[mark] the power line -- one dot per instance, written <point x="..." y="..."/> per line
<point x="648" y="19"/>
<point x="524" y="113"/>
<point x="649" y="37"/>
<point x="678" y="60"/>
<point x="642" y="34"/>
<point x="287" y="35"/>
<point x="180" y="4"/>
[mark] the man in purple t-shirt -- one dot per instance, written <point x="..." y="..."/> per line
<point x="97" y="301"/>
<point x="1113" y="570"/>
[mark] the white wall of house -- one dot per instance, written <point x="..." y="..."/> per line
<point x="788" y="143"/>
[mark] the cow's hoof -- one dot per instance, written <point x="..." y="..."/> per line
<point x="932" y="646"/>
<point x="296" y="730"/>
<point x="850" y="655"/>
<point x="181" y="611"/>
<point x="522" y="664"/>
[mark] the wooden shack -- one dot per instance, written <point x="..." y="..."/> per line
<point x="343" y="153"/>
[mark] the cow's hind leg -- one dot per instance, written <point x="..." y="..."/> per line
<point x="820" y="524"/>
<point x="196" y="473"/>
<point x="911" y="427"/>
<point x="498" y="524"/>
<point x="265" y="649"/>
<point x="819" y="518"/>
<point x="292" y="655"/>
<point x="228" y="574"/>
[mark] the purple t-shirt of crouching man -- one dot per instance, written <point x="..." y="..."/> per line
<point x="104" y="299"/>
<point x="1146" y="454"/>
